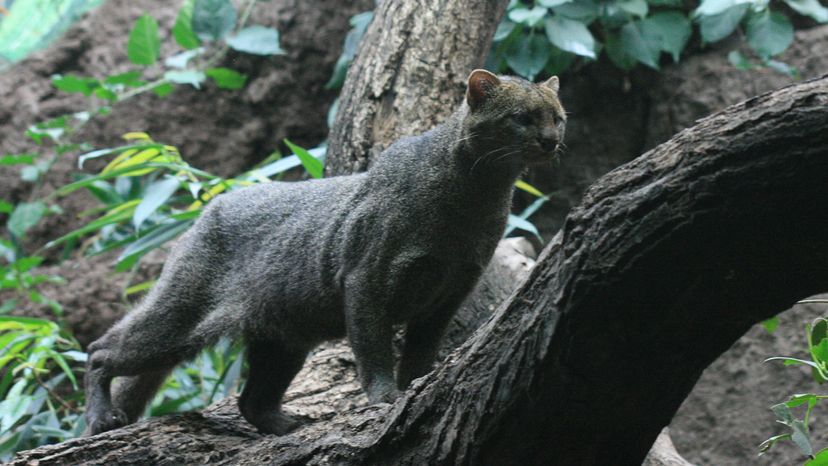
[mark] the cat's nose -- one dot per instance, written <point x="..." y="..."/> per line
<point x="548" y="139"/>
<point x="548" y="143"/>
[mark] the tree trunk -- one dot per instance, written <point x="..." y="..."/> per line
<point x="409" y="74"/>
<point x="667" y="262"/>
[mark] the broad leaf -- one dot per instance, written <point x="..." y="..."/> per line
<point x="191" y="77"/>
<point x="527" y="55"/>
<point x="213" y="19"/>
<point x="144" y="45"/>
<point x="810" y="8"/>
<point x="584" y="11"/>
<point x="528" y="17"/>
<point x="71" y="83"/>
<point x="226" y="78"/>
<point x="617" y="53"/>
<point x="670" y="29"/>
<point x="639" y="43"/>
<point x="570" y="35"/>
<point x="716" y="27"/>
<point x="769" y="33"/>
<point x="180" y="60"/>
<point x="634" y="7"/>
<point x="258" y="40"/>
<point x="821" y="459"/>
<point x="130" y="78"/>
<point x="21" y="159"/>
<point x="25" y="216"/>
<point x="311" y="163"/>
<point x="551" y="3"/>
<point x="183" y="28"/>
<point x="715" y="7"/>
<point x="155" y="196"/>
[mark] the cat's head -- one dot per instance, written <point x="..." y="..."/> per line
<point x="511" y="120"/>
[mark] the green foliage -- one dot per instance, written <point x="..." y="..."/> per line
<point x="817" y="336"/>
<point x="359" y="23"/>
<point x="257" y="40"/>
<point x="213" y="19"/>
<point x="144" y="45"/>
<point x="40" y="392"/>
<point x="20" y="35"/>
<point x="150" y="195"/>
<point x="547" y="36"/>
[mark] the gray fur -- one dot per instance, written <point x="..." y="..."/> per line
<point x="289" y="265"/>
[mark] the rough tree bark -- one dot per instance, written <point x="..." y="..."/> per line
<point x="667" y="262"/>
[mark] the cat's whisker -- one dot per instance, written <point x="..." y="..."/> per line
<point x="489" y="154"/>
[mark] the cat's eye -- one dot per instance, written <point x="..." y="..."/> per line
<point x="522" y="118"/>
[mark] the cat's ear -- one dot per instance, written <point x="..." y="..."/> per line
<point x="552" y="83"/>
<point x="481" y="86"/>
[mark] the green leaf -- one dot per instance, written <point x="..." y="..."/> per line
<point x="670" y="29"/>
<point x="783" y="68"/>
<point x="213" y="19"/>
<point x="155" y="195"/>
<point x="191" y="77"/>
<point x="767" y="444"/>
<point x="634" y="7"/>
<point x="144" y="45"/>
<point x="528" y="17"/>
<point x="584" y="11"/>
<point x="75" y="84"/>
<point x="617" y="53"/>
<point x="640" y="44"/>
<point x="716" y="27"/>
<point x="503" y="30"/>
<point x="715" y="7"/>
<point x="570" y="36"/>
<point x="149" y="242"/>
<point x="6" y="207"/>
<point x="801" y="438"/>
<point x="226" y="78"/>
<point x="143" y="286"/>
<point x="311" y="163"/>
<point x="527" y="55"/>
<point x="17" y="159"/>
<point x="106" y="94"/>
<point x="552" y="3"/>
<point x="522" y="185"/>
<point x="25" y="216"/>
<point x="559" y="61"/>
<point x="180" y="60"/>
<point x="163" y="89"/>
<point x="821" y="459"/>
<point x="258" y="40"/>
<point x="516" y="222"/>
<point x="183" y="29"/>
<point x="24" y="264"/>
<point x="769" y="33"/>
<point x="130" y="79"/>
<point x="810" y="8"/>
<point x="773" y="323"/>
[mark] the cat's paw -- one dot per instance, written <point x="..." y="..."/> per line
<point x="103" y="421"/>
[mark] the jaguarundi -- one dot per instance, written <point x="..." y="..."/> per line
<point x="288" y="265"/>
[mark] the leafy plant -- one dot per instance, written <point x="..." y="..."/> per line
<point x="817" y="336"/>
<point x="149" y="195"/>
<point x="41" y="398"/>
<point x="548" y="36"/>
